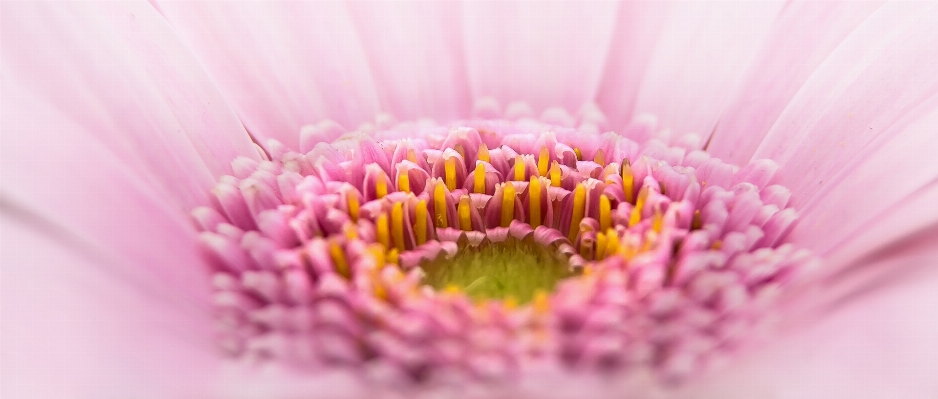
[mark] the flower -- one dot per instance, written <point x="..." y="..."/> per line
<point x="118" y="118"/>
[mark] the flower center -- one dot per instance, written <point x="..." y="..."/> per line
<point x="511" y="270"/>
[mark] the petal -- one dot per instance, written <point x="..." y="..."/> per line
<point x="879" y="344"/>
<point x="698" y="60"/>
<point x="868" y="87"/>
<point x="548" y="54"/>
<point x="793" y="50"/>
<point x="281" y="65"/>
<point x="416" y="55"/>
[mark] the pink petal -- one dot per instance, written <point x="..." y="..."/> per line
<point x="698" y="60"/>
<point x="281" y="65"/>
<point x="548" y="54"/>
<point x="416" y="56"/>
<point x="111" y="132"/>
<point x="790" y="54"/>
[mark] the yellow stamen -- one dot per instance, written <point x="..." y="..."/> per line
<point x="479" y="179"/>
<point x="555" y="174"/>
<point x="353" y="205"/>
<point x="411" y="155"/>
<point x="541" y="302"/>
<point x="534" y="201"/>
<point x="600" y="246"/>
<point x="510" y="303"/>
<point x="636" y="215"/>
<point x="393" y="256"/>
<point x="697" y="221"/>
<point x="403" y="182"/>
<point x="579" y="200"/>
<point x="519" y="168"/>
<point x="381" y="186"/>
<point x="605" y="213"/>
<point x="449" y="167"/>
<point x="451" y="289"/>
<point x="439" y="206"/>
<point x="420" y="229"/>
<point x="338" y="257"/>
<point x="657" y="220"/>
<point x="628" y="181"/>
<point x="377" y="252"/>
<point x="465" y="221"/>
<point x="350" y="231"/>
<point x="381" y="230"/>
<point x="397" y="225"/>
<point x="543" y="162"/>
<point x="600" y="157"/>
<point x="612" y="242"/>
<point x="508" y="203"/>
<point x="484" y="154"/>
<point x="579" y="154"/>
<point x="717" y="245"/>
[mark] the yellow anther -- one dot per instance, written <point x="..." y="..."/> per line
<point x="393" y="256"/>
<point x="605" y="213"/>
<point x="403" y="182"/>
<point x="465" y="221"/>
<point x="541" y="302"/>
<point x="508" y="203"/>
<point x="353" y="205"/>
<point x="600" y="157"/>
<point x="397" y="225"/>
<point x="519" y="168"/>
<point x="543" y="161"/>
<point x="479" y="179"/>
<point x="657" y="220"/>
<point x="411" y="155"/>
<point x="420" y="228"/>
<point x="338" y="257"/>
<point x="449" y="167"/>
<point x="601" y="243"/>
<point x="628" y="181"/>
<point x="697" y="221"/>
<point x="378" y="252"/>
<point x="510" y="303"/>
<point x="350" y="231"/>
<point x="636" y="215"/>
<point x="439" y="206"/>
<point x="452" y="289"/>
<point x="381" y="186"/>
<point x="555" y="174"/>
<point x="717" y="245"/>
<point x="587" y="270"/>
<point x="484" y="154"/>
<point x="534" y="202"/>
<point x="579" y="201"/>
<point x="381" y="230"/>
<point x="579" y="154"/>
<point x="612" y="242"/>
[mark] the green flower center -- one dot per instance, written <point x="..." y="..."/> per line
<point x="512" y="269"/>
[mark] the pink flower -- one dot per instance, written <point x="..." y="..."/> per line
<point x="118" y="119"/>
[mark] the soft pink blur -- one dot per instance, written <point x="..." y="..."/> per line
<point x="118" y="117"/>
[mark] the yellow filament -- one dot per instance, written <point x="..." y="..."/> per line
<point x="449" y="166"/>
<point x="484" y="154"/>
<point x="353" y="206"/>
<point x="555" y="174"/>
<point x="381" y="186"/>
<point x="600" y="157"/>
<point x="628" y="181"/>
<point x="378" y="253"/>
<point x="579" y="154"/>
<point x="393" y="256"/>
<point x="600" y="246"/>
<point x="465" y="221"/>
<point x="612" y="242"/>
<point x="543" y="162"/>
<point x="579" y="200"/>
<point x="381" y="230"/>
<point x="479" y="177"/>
<point x="420" y="229"/>
<point x="519" y="168"/>
<point x="411" y="155"/>
<point x="508" y="203"/>
<point x="439" y="206"/>
<point x="534" y="201"/>
<point x="636" y="215"/>
<point x="338" y="257"/>
<point x="657" y="220"/>
<point x="403" y="182"/>
<point x="605" y="213"/>
<point x="397" y="225"/>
